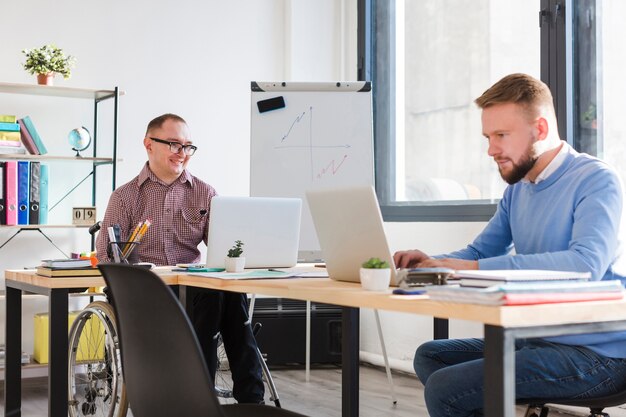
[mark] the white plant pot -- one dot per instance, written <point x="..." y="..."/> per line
<point x="375" y="279"/>
<point x="235" y="264"/>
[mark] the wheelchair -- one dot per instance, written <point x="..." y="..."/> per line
<point x="96" y="385"/>
<point x="95" y="379"/>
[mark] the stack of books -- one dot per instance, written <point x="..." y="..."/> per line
<point x="67" y="268"/>
<point x="24" y="190"/>
<point x="523" y="287"/>
<point x="10" y="135"/>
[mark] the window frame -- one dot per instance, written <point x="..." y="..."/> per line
<point x="375" y="29"/>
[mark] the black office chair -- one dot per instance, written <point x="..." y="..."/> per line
<point x="163" y="366"/>
<point x="538" y="408"/>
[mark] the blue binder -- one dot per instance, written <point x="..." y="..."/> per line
<point x="43" y="194"/>
<point x="23" y="183"/>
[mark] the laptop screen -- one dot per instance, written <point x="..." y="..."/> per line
<point x="268" y="227"/>
<point x="350" y="229"/>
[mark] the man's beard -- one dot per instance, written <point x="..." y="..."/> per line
<point x="522" y="168"/>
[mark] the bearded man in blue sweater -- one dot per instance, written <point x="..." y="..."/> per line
<point x="561" y="211"/>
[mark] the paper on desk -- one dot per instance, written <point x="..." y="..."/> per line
<point x="296" y="272"/>
<point x="254" y="274"/>
<point x="304" y="271"/>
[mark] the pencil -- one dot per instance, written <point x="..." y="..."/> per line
<point x="131" y="238"/>
<point x="140" y="234"/>
<point x="143" y="230"/>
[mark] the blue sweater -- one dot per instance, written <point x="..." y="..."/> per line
<point x="569" y="222"/>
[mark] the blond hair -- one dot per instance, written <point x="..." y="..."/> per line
<point x="530" y="93"/>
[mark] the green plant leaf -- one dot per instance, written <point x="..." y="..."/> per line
<point x="236" y="250"/>
<point x="375" y="263"/>
<point x="48" y="59"/>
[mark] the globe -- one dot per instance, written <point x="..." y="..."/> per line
<point x="79" y="139"/>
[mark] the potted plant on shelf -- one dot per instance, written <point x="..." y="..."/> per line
<point x="234" y="262"/>
<point x="47" y="61"/>
<point x="375" y="274"/>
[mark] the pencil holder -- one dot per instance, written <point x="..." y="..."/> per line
<point x="120" y="252"/>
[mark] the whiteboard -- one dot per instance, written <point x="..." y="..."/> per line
<point x="318" y="136"/>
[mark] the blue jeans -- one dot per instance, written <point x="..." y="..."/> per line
<point x="452" y="373"/>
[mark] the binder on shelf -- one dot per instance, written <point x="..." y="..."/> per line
<point x="33" y="134"/>
<point x="9" y="136"/>
<point x="43" y="194"/>
<point x="3" y="213"/>
<point x="12" y="150"/>
<point x="34" y="194"/>
<point x="8" y="118"/>
<point x="10" y="195"/>
<point x="9" y="127"/>
<point x="10" y="143"/>
<point x="23" y="174"/>
<point x="9" y="133"/>
<point x="27" y="140"/>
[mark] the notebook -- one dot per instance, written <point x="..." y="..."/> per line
<point x="268" y="227"/>
<point x="350" y="230"/>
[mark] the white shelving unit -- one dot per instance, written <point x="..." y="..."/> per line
<point x="92" y="97"/>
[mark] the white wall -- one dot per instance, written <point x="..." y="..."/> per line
<point x="192" y="58"/>
<point x="195" y="59"/>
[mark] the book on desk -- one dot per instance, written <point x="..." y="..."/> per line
<point x="487" y="278"/>
<point x="88" y="271"/>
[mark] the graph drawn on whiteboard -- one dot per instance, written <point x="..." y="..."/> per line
<point x="319" y="165"/>
<point x="309" y="135"/>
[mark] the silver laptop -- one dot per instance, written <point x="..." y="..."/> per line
<point x="350" y="230"/>
<point x="268" y="227"/>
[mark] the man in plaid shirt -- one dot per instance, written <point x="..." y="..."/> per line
<point x="177" y="204"/>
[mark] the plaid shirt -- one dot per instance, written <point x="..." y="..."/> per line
<point x="179" y="213"/>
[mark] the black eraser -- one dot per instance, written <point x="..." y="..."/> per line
<point x="269" y="104"/>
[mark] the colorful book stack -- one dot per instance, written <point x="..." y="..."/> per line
<point x="10" y="135"/>
<point x="24" y="193"/>
<point x="522" y="287"/>
<point x="30" y="137"/>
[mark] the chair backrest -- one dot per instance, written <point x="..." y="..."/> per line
<point x="163" y="366"/>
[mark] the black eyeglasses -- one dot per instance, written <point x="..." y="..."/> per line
<point x="175" y="147"/>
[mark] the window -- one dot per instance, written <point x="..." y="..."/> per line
<point x="599" y="83"/>
<point x="429" y="59"/>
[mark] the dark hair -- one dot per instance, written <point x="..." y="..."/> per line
<point x="522" y="89"/>
<point x="157" y="122"/>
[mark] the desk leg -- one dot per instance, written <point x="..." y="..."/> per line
<point x="59" y="345"/>
<point x="440" y="328"/>
<point x="350" y="362"/>
<point x="13" y="360"/>
<point x="499" y="395"/>
<point x="184" y="294"/>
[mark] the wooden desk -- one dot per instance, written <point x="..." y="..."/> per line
<point x="502" y="326"/>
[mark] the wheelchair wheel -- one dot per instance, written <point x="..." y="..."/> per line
<point x="223" y="380"/>
<point x="96" y="387"/>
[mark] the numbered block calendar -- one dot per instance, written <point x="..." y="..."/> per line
<point x="83" y="216"/>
